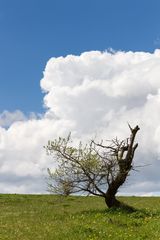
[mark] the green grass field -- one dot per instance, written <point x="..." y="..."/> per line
<point x="26" y="217"/>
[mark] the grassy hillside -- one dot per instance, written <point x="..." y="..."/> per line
<point x="49" y="217"/>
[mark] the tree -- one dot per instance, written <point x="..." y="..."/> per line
<point x="62" y="184"/>
<point x="95" y="168"/>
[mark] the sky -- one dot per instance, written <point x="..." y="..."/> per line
<point x="85" y="66"/>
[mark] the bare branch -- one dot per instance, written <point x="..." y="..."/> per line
<point x="94" y="168"/>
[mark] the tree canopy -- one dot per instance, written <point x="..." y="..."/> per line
<point x="96" y="168"/>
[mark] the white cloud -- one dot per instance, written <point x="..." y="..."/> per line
<point x="7" y="118"/>
<point x="94" y="93"/>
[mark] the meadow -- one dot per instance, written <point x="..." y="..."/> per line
<point x="51" y="217"/>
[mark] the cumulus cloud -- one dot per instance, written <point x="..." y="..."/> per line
<point x="7" y="118"/>
<point x="95" y="93"/>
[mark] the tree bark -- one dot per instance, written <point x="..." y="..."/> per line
<point x="122" y="174"/>
<point x="112" y="202"/>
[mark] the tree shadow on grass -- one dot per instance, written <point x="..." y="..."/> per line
<point x="134" y="213"/>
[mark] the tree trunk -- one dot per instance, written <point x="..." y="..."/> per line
<point x="110" y="197"/>
<point x="122" y="173"/>
<point x="112" y="202"/>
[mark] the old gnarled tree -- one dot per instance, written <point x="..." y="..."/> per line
<point x="95" y="168"/>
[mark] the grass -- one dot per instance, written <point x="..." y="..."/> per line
<point x="50" y="217"/>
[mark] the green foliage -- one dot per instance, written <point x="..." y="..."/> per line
<point x="94" y="168"/>
<point x="58" y="183"/>
<point x="78" y="168"/>
<point x="49" y="217"/>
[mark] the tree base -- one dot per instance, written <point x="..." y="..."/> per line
<point x="113" y="203"/>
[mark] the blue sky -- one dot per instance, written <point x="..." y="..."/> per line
<point x="32" y="31"/>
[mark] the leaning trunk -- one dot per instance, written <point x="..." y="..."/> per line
<point x="124" y="165"/>
<point x="112" y="202"/>
<point x="110" y="197"/>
